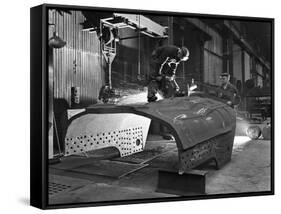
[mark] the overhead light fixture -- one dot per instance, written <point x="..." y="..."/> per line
<point x="56" y="42"/>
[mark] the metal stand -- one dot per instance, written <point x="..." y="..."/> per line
<point x="189" y="183"/>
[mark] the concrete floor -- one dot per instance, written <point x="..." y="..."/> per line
<point x="248" y="171"/>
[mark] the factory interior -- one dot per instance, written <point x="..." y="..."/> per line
<point x="107" y="143"/>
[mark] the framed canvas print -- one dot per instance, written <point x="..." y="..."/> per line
<point x="132" y="106"/>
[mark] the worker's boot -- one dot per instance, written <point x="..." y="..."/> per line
<point x="152" y="89"/>
<point x="151" y="99"/>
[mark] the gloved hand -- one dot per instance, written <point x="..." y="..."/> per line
<point x="229" y="103"/>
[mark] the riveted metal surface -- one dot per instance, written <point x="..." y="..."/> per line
<point x="218" y="148"/>
<point x="203" y="128"/>
<point x="200" y="153"/>
<point x="128" y="141"/>
<point x="126" y="132"/>
<point x="193" y="119"/>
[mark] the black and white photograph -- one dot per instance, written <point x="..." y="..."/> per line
<point x="148" y="106"/>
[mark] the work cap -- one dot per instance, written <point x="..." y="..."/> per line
<point x="224" y="74"/>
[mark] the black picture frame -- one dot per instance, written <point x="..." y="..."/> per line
<point x="40" y="99"/>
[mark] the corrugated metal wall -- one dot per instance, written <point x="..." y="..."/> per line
<point x="78" y="62"/>
<point x="247" y="66"/>
<point x="213" y="62"/>
<point x="237" y="62"/>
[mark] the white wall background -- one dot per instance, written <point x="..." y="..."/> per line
<point x="14" y="87"/>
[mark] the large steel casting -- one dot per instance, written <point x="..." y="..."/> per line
<point x="203" y="128"/>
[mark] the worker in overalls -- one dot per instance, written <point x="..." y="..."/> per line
<point x="228" y="92"/>
<point x="166" y="60"/>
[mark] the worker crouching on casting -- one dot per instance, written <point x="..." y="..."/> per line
<point x="166" y="60"/>
<point x="228" y="92"/>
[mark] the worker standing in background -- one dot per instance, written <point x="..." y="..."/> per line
<point x="228" y="91"/>
<point x="166" y="60"/>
